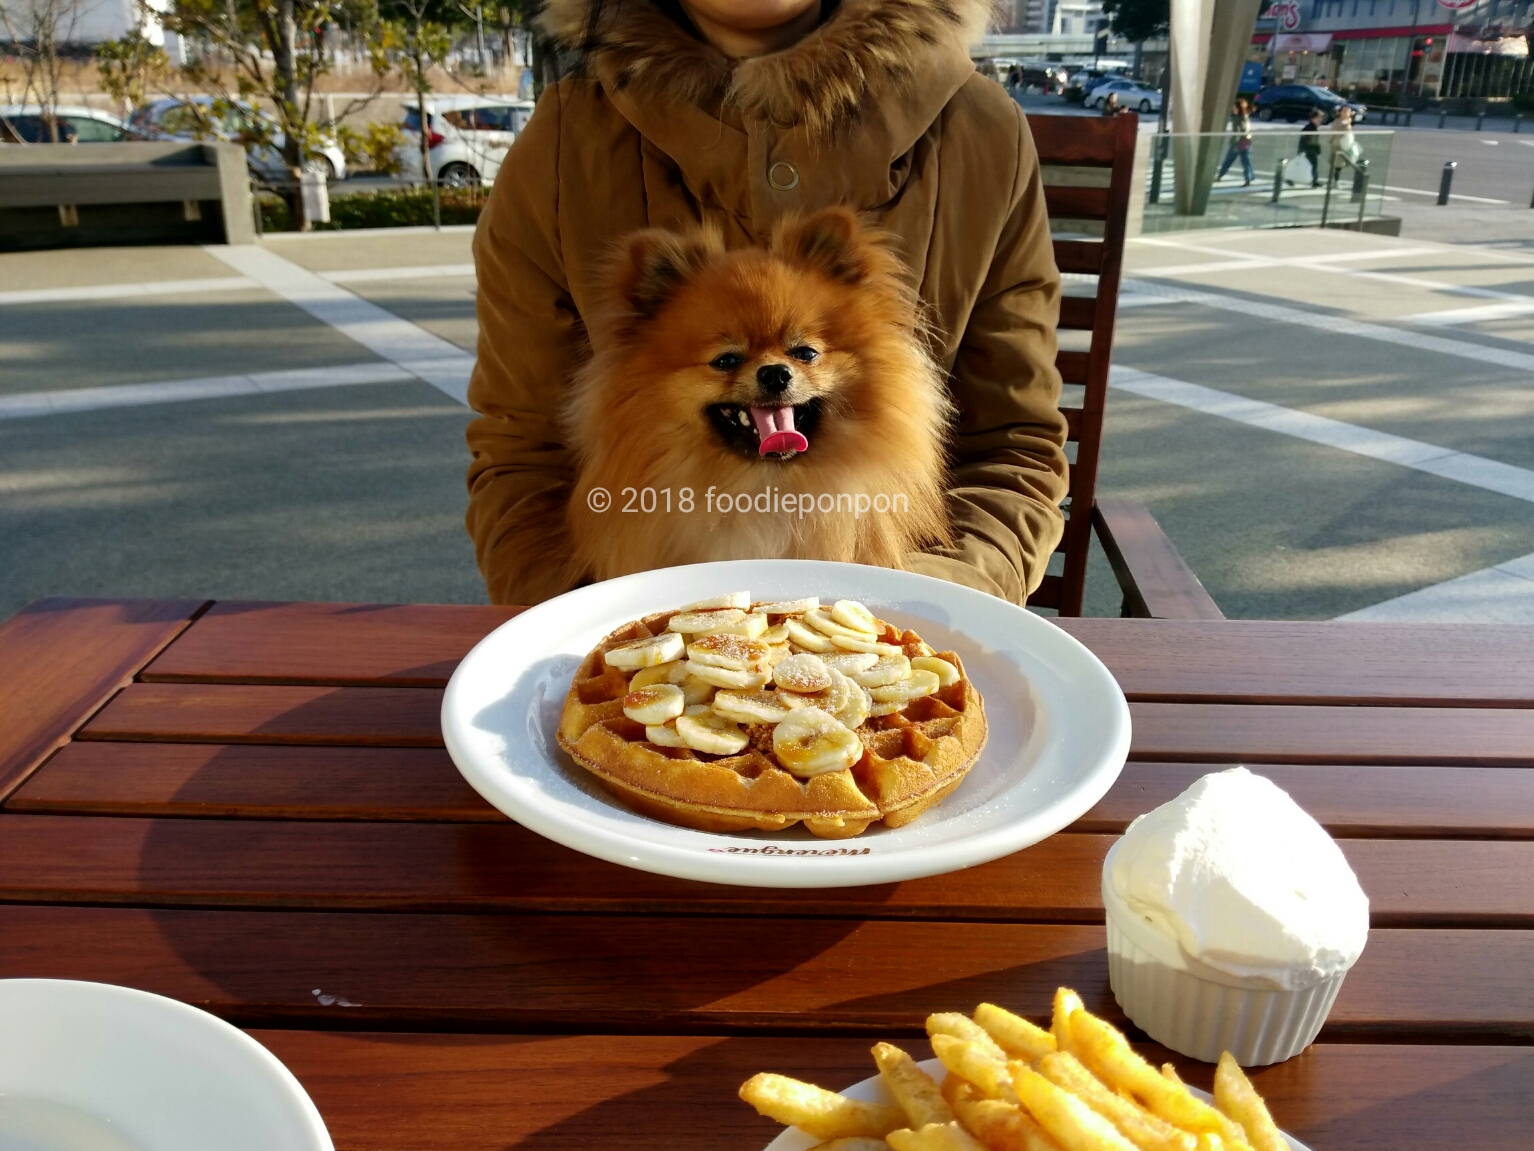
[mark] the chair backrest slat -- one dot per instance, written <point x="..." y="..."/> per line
<point x="1065" y="142"/>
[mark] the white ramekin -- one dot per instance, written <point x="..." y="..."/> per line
<point x="1197" y="1010"/>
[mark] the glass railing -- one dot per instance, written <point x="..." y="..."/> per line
<point x="1345" y="185"/>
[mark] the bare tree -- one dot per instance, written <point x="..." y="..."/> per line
<point x="132" y="65"/>
<point x="37" y="31"/>
<point x="416" y="38"/>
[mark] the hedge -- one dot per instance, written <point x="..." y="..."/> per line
<point x="390" y="208"/>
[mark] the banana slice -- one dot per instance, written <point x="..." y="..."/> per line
<point x="887" y="708"/>
<point x="775" y="635"/>
<point x="664" y="735"/>
<point x="673" y="672"/>
<point x="850" y="643"/>
<point x="648" y="652"/>
<point x="947" y="674"/>
<point x="886" y="669"/>
<point x="827" y="626"/>
<point x="752" y="626"/>
<point x="848" y="702"/>
<point x="712" y="734"/>
<point x="810" y="742"/>
<point x="850" y="613"/>
<point x="724" y="677"/>
<point x="790" y="606"/>
<point x="849" y="662"/>
<point x="802" y="673"/>
<point x="794" y="700"/>
<point x="750" y="706"/>
<point x="697" y="692"/>
<point x="697" y="622"/>
<point x="734" y="652"/>
<point x="777" y="653"/>
<point x="655" y="704"/>
<point x="806" y="637"/>
<point x="736" y="599"/>
<point x="916" y="685"/>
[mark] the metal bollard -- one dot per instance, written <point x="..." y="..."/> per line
<point x="1446" y="182"/>
<point x="1442" y="115"/>
<point x="1278" y="178"/>
<point x="1362" y="188"/>
<point x="1517" y="120"/>
<point x="1480" y="118"/>
<point x="1360" y="181"/>
<point x="1409" y="113"/>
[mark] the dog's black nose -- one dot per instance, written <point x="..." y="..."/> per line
<point x="774" y="378"/>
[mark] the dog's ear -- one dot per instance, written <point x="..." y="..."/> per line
<point x="654" y="263"/>
<point x="831" y="241"/>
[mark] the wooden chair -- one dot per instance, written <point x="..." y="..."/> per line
<point x="1088" y="165"/>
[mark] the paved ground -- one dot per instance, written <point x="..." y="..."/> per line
<point x="1325" y="423"/>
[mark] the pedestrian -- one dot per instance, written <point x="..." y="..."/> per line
<point x="1345" y="152"/>
<point x="1111" y="105"/>
<point x="1241" y="124"/>
<point x="1310" y="145"/>
<point x="744" y="115"/>
<point x="1014" y="78"/>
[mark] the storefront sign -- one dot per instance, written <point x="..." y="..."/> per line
<point x="1286" y="14"/>
<point x="1307" y="42"/>
<point x="1457" y="5"/>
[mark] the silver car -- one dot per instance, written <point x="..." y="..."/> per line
<point x="198" y="117"/>
<point x="76" y="124"/>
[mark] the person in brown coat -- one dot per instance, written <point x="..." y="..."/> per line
<point x="683" y="111"/>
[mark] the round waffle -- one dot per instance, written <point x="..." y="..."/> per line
<point x="718" y="767"/>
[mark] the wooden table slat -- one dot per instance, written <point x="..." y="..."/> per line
<point x="503" y="867"/>
<point x="1191" y="661"/>
<point x="62" y="658"/>
<point x="244" y="781"/>
<point x="677" y="1093"/>
<point x="677" y="975"/>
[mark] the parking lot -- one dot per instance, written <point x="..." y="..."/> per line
<point x="1325" y="423"/>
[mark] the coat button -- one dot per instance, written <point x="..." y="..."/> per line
<point x="783" y="176"/>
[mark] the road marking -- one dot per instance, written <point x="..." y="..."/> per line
<point x="1462" y="467"/>
<point x="74" y="400"/>
<point x="1503" y="593"/>
<point x="1338" y="325"/>
<point x="117" y="291"/>
<point x="430" y="358"/>
<point x="408" y="272"/>
<point x="1501" y="311"/>
<point x="1452" y="195"/>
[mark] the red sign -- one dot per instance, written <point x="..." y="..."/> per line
<point x="1286" y="13"/>
<point x="1458" y="5"/>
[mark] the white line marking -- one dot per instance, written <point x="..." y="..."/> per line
<point x="1517" y="307"/>
<point x="27" y="404"/>
<point x="408" y="272"/>
<point x="1340" y="325"/>
<point x="1452" y="195"/>
<point x="116" y="291"/>
<point x="1476" y="471"/>
<point x="354" y="233"/>
<point x="436" y="361"/>
<point x="1503" y="593"/>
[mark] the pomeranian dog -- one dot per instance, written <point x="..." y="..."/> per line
<point x="794" y="381"/>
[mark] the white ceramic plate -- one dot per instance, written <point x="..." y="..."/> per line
<point x="873" y="1090"/>
<point x="89" y="1065"/>
<point x="1059" y="729"/>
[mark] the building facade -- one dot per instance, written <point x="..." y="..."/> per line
<point x="1410" y="50"/>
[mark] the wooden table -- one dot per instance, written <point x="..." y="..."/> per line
<point x="246" y="806"/>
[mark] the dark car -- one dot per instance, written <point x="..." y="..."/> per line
<point x="1296" y="102"/>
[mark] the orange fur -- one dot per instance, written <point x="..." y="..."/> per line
<point x="639" y="411"/>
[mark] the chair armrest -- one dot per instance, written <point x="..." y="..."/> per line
<point x="1156" y="581"/>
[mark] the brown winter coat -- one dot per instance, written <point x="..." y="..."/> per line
<point x="879" y="109"/>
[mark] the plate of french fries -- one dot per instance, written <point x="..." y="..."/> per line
<point x="1001" y="1083"/>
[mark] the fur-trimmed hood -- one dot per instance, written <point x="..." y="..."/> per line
<point x="864" y="49"/>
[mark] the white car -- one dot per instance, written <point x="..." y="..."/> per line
<point x="77" y="124"/>
<point x="467" y="137"/>
<point x="197" y="117"/>
<point x="1133" y="94"/>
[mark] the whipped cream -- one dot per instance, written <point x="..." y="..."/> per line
<point x="1244" y="882"/>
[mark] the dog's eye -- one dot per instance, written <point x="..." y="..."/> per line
<point x="727" y="362"/>
<point x="804" y="354"/>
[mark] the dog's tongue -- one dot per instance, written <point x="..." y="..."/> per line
<point x="775" y="429"/>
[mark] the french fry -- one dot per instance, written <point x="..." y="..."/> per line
<point x="1014" y="1034"/>
<point x="1139" y="1126"/>
<point x="1171" y="1075"/>
<point x="1000" y="1126"/>
<point x="852" y="1145"/>
<point x="1069" y="1121"/>
<point x="935" y="1137"/>
<point x="1235" y="1095"/>
<point x="1067" y="1003"/>
<point x="821" y="1113"/>
<point x="915" y="1090"/>
<point x="1107" y="1054"/>
<point x="970" y="1061"/>
<point x="963" y="1027"/>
